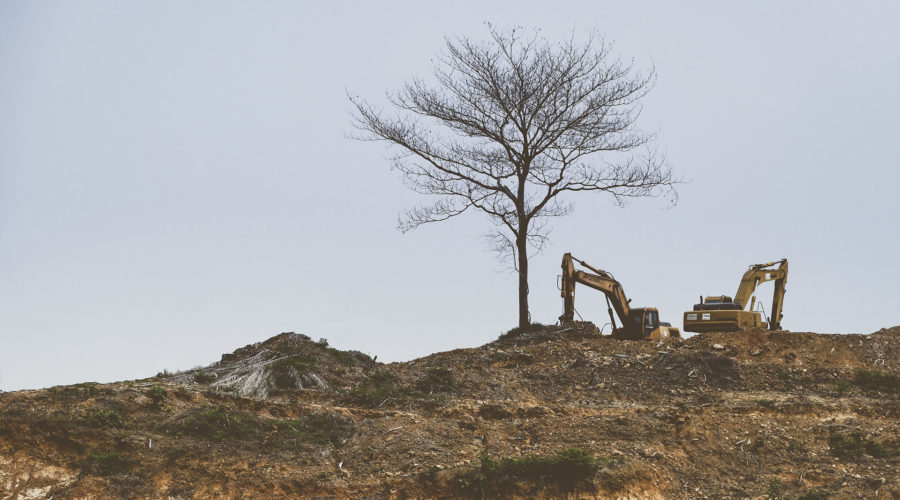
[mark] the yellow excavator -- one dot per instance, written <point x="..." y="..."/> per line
<point x="637" y="323"/>
<point x="720" y="313"/>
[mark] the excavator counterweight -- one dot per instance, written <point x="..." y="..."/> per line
<point x="722" y="313"/>
<point x="637" y="323"/>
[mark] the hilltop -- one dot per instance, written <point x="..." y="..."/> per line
<point x="544" y="413"/>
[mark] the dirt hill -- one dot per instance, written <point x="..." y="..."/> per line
<point x="548" y="413"/>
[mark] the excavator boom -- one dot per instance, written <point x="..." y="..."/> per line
<point x="602" y="281"/>
<point x="636" y="323"/>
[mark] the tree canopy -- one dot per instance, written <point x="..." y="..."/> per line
<point x="510" y="126"/>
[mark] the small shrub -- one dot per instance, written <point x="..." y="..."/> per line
<point x="841" y="386"/>
<point x="317" y="428"/>
<point x="107" y="464"/>
<point x="795" y="447"/>
<point x="323" y="342"/>
<point x="219" y="423"/>
<point x="775" y="487"/>
<point x="157" y="394"/>
<point x="877" y="381"/>
<point x="102" y="419"/>
<point x="202" y="377"/>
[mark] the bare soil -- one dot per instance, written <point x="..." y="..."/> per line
<point x="720" y="415"/>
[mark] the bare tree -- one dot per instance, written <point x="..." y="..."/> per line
<point x="522" y="122"/>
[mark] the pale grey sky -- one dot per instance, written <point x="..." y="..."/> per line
<point x="175" y="179"/>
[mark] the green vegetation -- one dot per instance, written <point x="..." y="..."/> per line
<point x="103" y="419"/>
<point x="795" y="447"/>
<point x="378" y="388"/>
<point x="566" y="470"/>
<point x="311" y="355"/>
<point x="317" y="428"/>
<point x="157" y="394"/>
<point x="841" y="386"/>
<point x="852" y="446"/>
<point x="877" y="381"/>
<point x="285" y="370"/>
<point x="775" y="488"/>
<point x="202" y="377"/>
<point x="382" y="386"/>
<point x="107" y="464"/>
<point x="218" y="423"/>
<point x="342" y="357"/>
<point x="84" y="390"/>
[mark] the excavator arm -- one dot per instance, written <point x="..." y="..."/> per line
<point x="758" y="274"/>
<point x="778" y="296"/>
<point x="599" y="280"/>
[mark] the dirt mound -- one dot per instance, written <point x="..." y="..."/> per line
<point x="286" y="362"/>
<point x="547" y="412"/>
<point x="541" y="333"/>
<point x="893" y="331"/>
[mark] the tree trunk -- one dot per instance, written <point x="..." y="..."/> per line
<point x="522" y="250"/>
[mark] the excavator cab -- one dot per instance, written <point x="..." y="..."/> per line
<point x="645" y="321"/>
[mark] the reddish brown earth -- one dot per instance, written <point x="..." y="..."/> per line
<point x="720" y="415"/>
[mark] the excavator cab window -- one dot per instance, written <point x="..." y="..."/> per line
<point x="651" y="322"/>
<point x="637" y="316"/>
